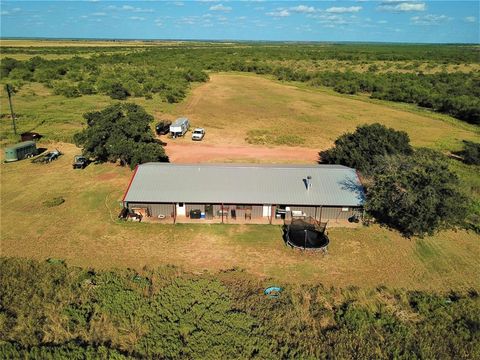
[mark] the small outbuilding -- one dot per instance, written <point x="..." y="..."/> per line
<point x="229" y="193"/>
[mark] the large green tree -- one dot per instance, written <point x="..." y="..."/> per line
<point x="120" y="132"/>
<point x="417" y="194"/>
<point x="364" y="148"/>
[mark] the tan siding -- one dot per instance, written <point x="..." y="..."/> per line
<point x="307" y="210"/>
<point x="336" y="213"/>
<point x="257" y="211"/>
<point x="154" y="209"/>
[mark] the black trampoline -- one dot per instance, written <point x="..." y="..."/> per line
<point x="302" y="235"/>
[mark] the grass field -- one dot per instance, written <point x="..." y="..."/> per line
<point x="84" y="231"/>
<point x="235" y="110"/>
<point x="243" y="108"/>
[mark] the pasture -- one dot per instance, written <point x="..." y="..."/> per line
<point x="84" y="231"/>
<point x="248" y="118"/>
<point x="240" y="109"/>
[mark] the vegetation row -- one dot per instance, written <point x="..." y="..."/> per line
<point x="168" y="72"/>
<point x="49" y="310"/>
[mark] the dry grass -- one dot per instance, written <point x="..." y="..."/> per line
<point x="75" y="43"/>
<point x="84" y="231"/>
<point x="233" y="107"/>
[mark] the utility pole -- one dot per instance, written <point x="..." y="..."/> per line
<point x="9" y="92"/>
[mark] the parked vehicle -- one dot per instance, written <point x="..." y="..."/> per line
<point x="20" y="151"/>
<point x="179" y="127"/>
<point x="163" y="127"/>
<point x="27" y="136"/>
<point x="198" y="134"/>
<point x="48" y="157"/>
<point x="80" y="162"/>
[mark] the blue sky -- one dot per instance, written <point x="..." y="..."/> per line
<point x="384" y="21"/>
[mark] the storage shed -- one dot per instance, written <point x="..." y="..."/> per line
<point x="243" y="193"/>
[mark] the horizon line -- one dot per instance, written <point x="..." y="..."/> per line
<point x="230" y="40"/>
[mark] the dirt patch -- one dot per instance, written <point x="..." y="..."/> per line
<point x="107" y="176"/>
<point x="183" y="152"/>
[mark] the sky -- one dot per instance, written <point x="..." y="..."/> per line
<point x="376" y="21"/>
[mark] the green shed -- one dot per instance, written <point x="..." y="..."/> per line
<point x="20" y="151"/>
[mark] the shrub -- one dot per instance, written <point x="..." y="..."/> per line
<point x="117" y="91"/>
<point x="56" y="201"/>
<point x="471" y="153"/>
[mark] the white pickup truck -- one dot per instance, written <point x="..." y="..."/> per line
<point x="198" y="134"/>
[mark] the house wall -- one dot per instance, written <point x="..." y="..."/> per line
<point x="189" y="207"/>
<point x="155" y="209"/>
<point x="337" y="213"/>
<point x="322" y="213"/>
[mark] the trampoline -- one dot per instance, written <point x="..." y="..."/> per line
<point x="302" y="235"/>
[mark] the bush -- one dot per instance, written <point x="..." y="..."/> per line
<point x="471" y="153"/>
<point x="86" y="88"/>
<point x="66" y="90"/>
<point x="49" y="310"/>
<point x="117" y="91"/>
<point x="56" y="201"/>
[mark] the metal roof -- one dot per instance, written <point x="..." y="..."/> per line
<point x="331" y="185"/>
<point x="179" y="121"/>
<point x="20" y="145"/>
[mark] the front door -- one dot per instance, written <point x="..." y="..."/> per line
<point x="180" y="209"/>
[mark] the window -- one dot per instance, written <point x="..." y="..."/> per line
<point x="180" y="204"/>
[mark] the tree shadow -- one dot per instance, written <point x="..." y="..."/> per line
<point x="354" y="187"/>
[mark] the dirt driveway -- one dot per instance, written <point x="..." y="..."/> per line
<point x="197" y="152"/>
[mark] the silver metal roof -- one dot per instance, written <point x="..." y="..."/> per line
<point x="331" y="185"/>
<point x="179" y="121"/>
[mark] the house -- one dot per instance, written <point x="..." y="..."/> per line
<point x="231" y="193"/>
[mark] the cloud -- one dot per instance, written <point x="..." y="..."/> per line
<point x="5" y="13"/>
<point x="279" y="13"/>
<point x="129" y="8"/>
<point x="430" y="19"/>
<point x="470" y="19"/>
<point x="332" y="20"/>
<point x="220" y="7"/>
<point x="382" y="21"/>
<point x="137" y="18"/>
<point x="402" y="6"/>
<point x="341" y="10"/>
<point x="178" y="3"/>
<point x="99" y="14"/>
<point x="303" y="9"/>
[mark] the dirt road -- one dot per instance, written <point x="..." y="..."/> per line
<point x="197" y="152"/>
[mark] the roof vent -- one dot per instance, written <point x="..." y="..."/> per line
<point x="308" y="182"/>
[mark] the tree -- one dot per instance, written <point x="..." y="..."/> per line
<point x="118" y="92"/>
<point x="364" y="148"/>
<point x="471" y="153"/>
<point x="416" y="194"/>
<point x="122" y="133"/>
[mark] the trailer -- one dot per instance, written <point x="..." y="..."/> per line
<point x="20" y="151"/>
<point x="179" y="127"/>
